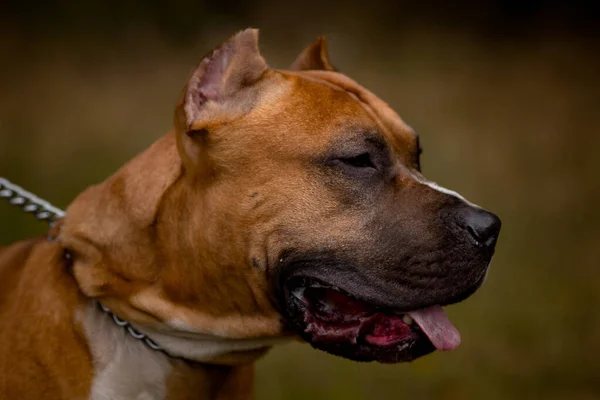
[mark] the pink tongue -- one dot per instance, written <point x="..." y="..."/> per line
<point x="434" y="322"/>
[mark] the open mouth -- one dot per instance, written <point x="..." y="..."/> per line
<point x="339" y="323"/>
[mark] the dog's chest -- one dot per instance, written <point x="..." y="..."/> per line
<point x="131" y="376"/>
<point x="124" y="368"/>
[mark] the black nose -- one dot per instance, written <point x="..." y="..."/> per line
<point x="482" y="225"/>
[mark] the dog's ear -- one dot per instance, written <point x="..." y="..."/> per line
<point x="314" y="57"/>
<point x="219" y="89"/>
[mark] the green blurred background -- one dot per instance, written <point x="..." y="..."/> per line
<point x="505" y="94"/>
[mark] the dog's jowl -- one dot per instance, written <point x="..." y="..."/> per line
<point x="285" y="204"/>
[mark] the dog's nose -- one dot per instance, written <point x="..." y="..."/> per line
<point x="482" y="225"/>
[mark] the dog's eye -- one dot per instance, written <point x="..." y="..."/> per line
<point x="360" y="161"/>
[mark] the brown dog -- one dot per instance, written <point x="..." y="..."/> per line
<point x="284" y="203"/>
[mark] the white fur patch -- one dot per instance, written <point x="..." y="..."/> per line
<point x="124" y="367"/>
<point x="444" y="190"/>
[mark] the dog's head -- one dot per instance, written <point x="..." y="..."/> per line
<point x="297" y="194"/>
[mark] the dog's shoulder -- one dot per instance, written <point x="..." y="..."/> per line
<point x="12" y="259"/>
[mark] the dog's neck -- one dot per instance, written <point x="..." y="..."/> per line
<point x="195" y="347"/>
<point x="125" y="368"/>
<point x="71" y="349"/>
<point x="136" y="242"/>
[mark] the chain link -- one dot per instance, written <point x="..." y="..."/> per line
<point x="28" y="202"/>
<point x="134" y="332"/>
<point x="44" y="211"/>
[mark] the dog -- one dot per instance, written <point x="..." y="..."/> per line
<point x="285" y="205"/>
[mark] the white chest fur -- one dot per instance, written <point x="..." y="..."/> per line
<point x="124" y="368"/>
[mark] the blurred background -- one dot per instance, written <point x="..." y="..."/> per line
<point x="505" y="94"/>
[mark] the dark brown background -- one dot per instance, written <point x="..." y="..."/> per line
<point x="504" y="93"/>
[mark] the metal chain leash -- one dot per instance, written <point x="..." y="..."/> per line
<point x="44" y="211"/>
<point x="134" y="332"/>
<point x="28" y="202"/>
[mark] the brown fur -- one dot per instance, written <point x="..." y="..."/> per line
<point x="42" y="353"/>
<point x="187" y="233"/>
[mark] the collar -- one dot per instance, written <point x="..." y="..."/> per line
<point x="198" y="348"/>
<point x="194" y="348"/>
<point x="68" y="257"/>
<point x="133" y="332"/>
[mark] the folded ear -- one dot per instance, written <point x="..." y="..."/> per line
<point x="219" y="88"/>
<point x="314" y="57"/>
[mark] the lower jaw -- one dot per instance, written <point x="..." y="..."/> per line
<point x="404" y="351"/>
<point x="353" y="342"/>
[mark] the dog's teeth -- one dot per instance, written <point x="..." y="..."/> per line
<point x="407" y="319"/>
<point x="299" y="293"/>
